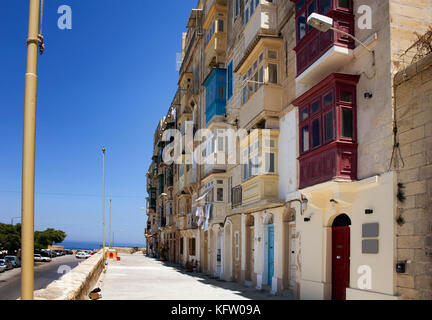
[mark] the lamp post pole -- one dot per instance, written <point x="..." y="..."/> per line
<point x="103" y="203"/>
<point x="28" y="164"/>
<point x="109" y="233"/>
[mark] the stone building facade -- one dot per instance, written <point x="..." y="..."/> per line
<point x="309" y="205"/>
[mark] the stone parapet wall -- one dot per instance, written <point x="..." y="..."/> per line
<point x="75" y="284"/>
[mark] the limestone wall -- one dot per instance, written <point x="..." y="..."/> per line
<point x="413" y="99"/>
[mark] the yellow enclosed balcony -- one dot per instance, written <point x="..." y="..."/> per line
<point x="261" y="78"/>
<point x="215" y="26"/>
<point x="260" y="18"/>
<point x="259" y="152"/>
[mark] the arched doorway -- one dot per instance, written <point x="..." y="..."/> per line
<point x="340" y="256"/>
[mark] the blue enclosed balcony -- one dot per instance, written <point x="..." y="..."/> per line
<point x="215" y="85"/>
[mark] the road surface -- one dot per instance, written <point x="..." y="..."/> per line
<point x="45" y="273"/>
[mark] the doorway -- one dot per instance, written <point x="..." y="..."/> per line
<point x="270" y="254"/>
<point x="340" y="256"/>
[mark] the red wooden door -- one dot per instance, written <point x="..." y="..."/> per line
<point x="340" y="262"/>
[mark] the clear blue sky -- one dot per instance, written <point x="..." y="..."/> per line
<point x="105" y="82"/>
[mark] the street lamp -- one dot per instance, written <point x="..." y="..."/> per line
<point x="28" y="158"/>
<point x="103" y="203"/>
<point x="323" y="23"/>
<point x="109" y="233"/>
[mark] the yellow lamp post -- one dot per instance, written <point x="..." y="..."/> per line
<point x="28" y="164"/>
<point x="103" y="203"/>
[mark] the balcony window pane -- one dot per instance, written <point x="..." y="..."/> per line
<point x="300" y="5"/>
<point x="273" y="77"/>
<point x="304" y="114"/>
<point x="316" y="133"/>
<point x="346" y="96"/>
<point x="270" y="162"/>
<point x="328" y="126"/>
<point x="245" y="171"/>
<point x="311" y="9"/>
<point x="347" y="123"/>
<point x="272" y="54"/>
<point x="261" y="76"/>
<point x="344" y="4"/>
<point x="261" y="57"/>
<point x="220" y="26"/>
<point x="244" y="95"/>
<point x="220" y="194"/>
<point x="328" y="99"/>
<point x="301" y="25"/>
<point x="325" y="6"/>
<point x="247" y="16"/>
<point x="305" y="138"/>
<point x="316" y="106"/>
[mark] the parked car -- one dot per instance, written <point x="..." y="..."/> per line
<point x="16" y="262"/>
<point x="69" y="252"/>
<point x="7" y="264"/>
<point x="41" y="258"/>
<point x="2" y="268"/>
<point x="82" y="255"/>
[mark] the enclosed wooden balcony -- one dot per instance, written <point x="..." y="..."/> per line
<point x="260" y="188"/>
<point x="328" y="130"/>
<point x="215" y="26"/>
<point x="318" y="53"/>
<point x="262" y="19"/>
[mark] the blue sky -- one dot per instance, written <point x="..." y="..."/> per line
<point x="105" y="82"/>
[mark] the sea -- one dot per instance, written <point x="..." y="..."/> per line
<point x="89" y="245"/>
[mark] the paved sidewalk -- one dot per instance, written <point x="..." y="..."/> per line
<point x="137" y="277"/>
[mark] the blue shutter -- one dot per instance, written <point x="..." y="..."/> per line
<point x="230" y="80"/>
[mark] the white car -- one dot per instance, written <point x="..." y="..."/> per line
<point x="2" y="268"/>
<point x="40" y="258"/>
<point x="82" y="255"/>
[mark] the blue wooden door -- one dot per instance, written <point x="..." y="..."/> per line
<point x="270" y="253"/>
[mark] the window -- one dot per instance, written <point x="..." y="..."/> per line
<point x="230" y="189"/>
<point x="301" y="27"/>
<point x="345" y="4"/>
<point x="192" y="246"/>
<point x="273" y="76"/>
<point x="316" y="133"/>
<point x="220" y="26"/>
<point x="272" y="54"/>
<point x="325" y="6"/>
<point x="347" y="123"/>
<point x="181" y="245"/>
<point x="328" y="126"/>
<point x="316" y="106"/>
<point x="305" y="138"/>
<point x="219" y="197"/>
<point x="237" y="245"/>
<point x="270" y="162"/>
<point x="327" y="117"/>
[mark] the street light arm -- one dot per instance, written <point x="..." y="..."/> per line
<point x="357" y="40"/>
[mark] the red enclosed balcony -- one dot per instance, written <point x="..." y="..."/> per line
<point x="332" y="49"/>
<point x="328" y="130"/>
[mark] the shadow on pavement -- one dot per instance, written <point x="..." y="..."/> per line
<point x="237" y="288"/>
